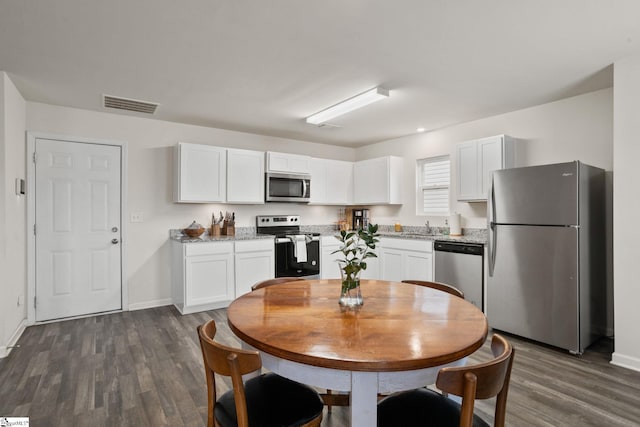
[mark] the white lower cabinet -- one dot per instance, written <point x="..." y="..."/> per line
<point x="203" y="276"/>
<point x="373" y="268"/>
<point x="329" y="268"/>
<point x="406" y="259"/>
<point x="255" y="261"/>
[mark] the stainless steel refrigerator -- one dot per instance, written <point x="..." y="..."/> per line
<point x="546" y="254"/>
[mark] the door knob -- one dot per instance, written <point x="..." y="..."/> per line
<point x="114" y="241"/>
<point x="114" y="229"/>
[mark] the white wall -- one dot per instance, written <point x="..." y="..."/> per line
<point x="12" y="214"/>
<point x="578" y="128"/>
<point x="149" y="186"/>
<point x="626" y="204"/>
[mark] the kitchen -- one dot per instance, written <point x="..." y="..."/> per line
<point x="579" y="127"/>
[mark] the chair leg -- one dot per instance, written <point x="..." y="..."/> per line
<point x="329" y="406"/>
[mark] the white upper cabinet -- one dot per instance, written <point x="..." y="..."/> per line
<point x="377" y="181"/>
<point x="245" y="176"/>
<point x="476" y="160"/>
<point x="199" y="173"/>
<point x="288" y="163"/>
<point x="331" y="182"/>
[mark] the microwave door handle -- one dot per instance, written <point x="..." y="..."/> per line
<point x="304" y="188"/>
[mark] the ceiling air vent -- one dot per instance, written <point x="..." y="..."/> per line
<point x="129" y="104"/>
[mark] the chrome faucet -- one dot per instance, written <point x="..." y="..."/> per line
<point x="426" y="223"/>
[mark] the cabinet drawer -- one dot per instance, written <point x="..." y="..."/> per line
<point x="208" y="248"/>
<point x="407" y="244"/>
<point x="254" y="245"/>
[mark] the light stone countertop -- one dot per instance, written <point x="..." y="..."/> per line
<point x="473" y="235"/>
<point x="242" y="233"/>
<point x="469" y="235"/>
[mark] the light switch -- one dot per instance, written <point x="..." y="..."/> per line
<point x="136" y="217"/>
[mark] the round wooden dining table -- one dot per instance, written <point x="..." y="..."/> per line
<point x="398" y="340"/>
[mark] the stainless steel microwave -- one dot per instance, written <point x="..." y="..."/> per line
<point x="284" y="187"/>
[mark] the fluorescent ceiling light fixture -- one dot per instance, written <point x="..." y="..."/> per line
<point x="365" y="98"/>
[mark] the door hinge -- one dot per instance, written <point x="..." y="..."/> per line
<point x="34" y="302"/>
<point x="34" y="157"/>
<point x="34" y="229"/>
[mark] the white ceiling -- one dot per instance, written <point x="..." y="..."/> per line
<point x="263" y="66"/>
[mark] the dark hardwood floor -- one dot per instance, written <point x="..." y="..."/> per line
<point x="144" y="368"/>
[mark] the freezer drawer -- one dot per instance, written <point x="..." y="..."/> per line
<point x="461" y="265"/>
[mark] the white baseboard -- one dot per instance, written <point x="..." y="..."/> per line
<point x="628" y="362"/>
<point x="150" y="304"/>
<point x="6" y="349"/>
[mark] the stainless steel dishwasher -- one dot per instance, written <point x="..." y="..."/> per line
<point x="461" y="265"/>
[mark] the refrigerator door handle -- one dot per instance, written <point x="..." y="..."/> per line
<point x="491" y="229"/>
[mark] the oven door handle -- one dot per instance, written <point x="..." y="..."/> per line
<point x="287" y="240"/>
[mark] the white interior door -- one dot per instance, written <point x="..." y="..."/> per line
<point x="78" y="254"/>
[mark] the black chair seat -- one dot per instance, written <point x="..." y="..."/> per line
<point x="272" y="401"/>
<point x="421" y="407"/>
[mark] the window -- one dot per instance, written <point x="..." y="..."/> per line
<point x="432" y="185"/>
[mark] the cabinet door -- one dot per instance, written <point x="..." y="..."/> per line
<point x="338" y="182"/>
<point x="331" y="182"/>
<point x="417" y="266"/>
<point x="253" y="267"/>
<point x="245" y="176"/>
<point x="329" y="268"/>
<point x="467" y="154"/>
<point x="391" y="264"/>
<point x="209" y="279"/>
<point x="200" y="173"/>
<point x="490" y="158"/>
<point x="373" y="268"/>
<point x="288" y="163"/>
<point x="378" y="181"/>
<point x="371" y="181"/>
<point x="318" y="181"/>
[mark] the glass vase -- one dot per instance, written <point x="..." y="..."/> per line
<point x="350" y="295"/>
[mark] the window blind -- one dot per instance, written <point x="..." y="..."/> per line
<point x="434" y="185"/>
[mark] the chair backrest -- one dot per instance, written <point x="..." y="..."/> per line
<point x="481" y="381"/>
<point x="227" y="361"/>
<point x="271" y="282"/>
<point x="437" y="285"/>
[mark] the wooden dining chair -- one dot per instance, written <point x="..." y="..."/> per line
<point x="437" y="285"/>
<point x="328" y="398"/>
<point x="424" y="407"/>
<point x="271" y="282"/>
<point x="265" y="400"/>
